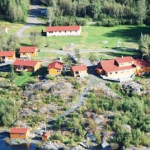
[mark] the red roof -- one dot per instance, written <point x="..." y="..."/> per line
<point x="56" y="65"/>
<point x="7" y="53"/>
<point x="78" y="68"/>
<point x="141" y="62"/>
<point x="110" y="66"/>
<point x="21" y="62"/>
<point x="124" y="59"/>
<point x="46" y="134"/>
<point x="27" y="49"/>
<point x="18" y="130"/>
<point x="62" y="28"/>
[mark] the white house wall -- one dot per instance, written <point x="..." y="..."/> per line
<point x="64" y="33"/>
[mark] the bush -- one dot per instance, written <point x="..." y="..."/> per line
<point x="51" y="78"/>
<point x="99" y="23"/>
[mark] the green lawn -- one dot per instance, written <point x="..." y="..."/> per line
<point x="47" y="55"/>
<point x="23" y="78"/>
<point x="94" y="37"/>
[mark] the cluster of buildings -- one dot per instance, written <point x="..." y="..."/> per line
<point x="24" y="63"/>
<point x="123" y="68"/>
<point x="24" y="133"/>
<point x="118" y="69"/>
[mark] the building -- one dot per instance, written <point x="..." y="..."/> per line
<point x="63" y="30"/>
<point x="21" y="133"/>
<point x="55" y="68"/>
<point x="5" y="29"/>
<point x="142" y="67"/>
<point x="45" y="136"/>
<point x="6" y="56"/>
<point x="79" y="71"/>
<point x="28" y="51"/>
<point x="27" y="65"/>
<point x="117" y="69"/>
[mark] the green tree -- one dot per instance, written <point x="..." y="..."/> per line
<point x="13" y="43"/>
<point x="144" y="46"/>
<point x="77" y="55"/>
<point x="92" y="57"/>
<point x="141" y="11"/>
<point x="35" y="38"/>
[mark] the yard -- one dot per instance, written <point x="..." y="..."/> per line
<point x="95" y="37"/>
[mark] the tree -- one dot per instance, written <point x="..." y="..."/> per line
<point x="92" y="57"/>
<point x="11" y="75"/>
<point x="68" y="60"/>
<point x="144" y="46"/>
<point x="50" y="15"/>
<point x="3" y="41"/>
<point x="77" y="55"/>
<point x="13" y="43"/>
<point x="141" y="11"/>
<point x="35" y="38"/>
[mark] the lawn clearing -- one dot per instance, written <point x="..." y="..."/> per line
<point x="95" y="37"/>
<point x="48" y="56"/>
<point x="23" y="78"/>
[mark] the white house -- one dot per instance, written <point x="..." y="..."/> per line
<point x="5" y="29"/>
<point x="63" y="30"/>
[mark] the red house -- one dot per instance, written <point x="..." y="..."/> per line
<point x="22" y="133"/>
<point x="55" y="68"/>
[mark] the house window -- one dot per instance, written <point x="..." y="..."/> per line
<point x="21" y="134"/>
<point x="130" y="62"/>
<point x="122" y="71"/>
<point x="30" y="66"/>
<point x="58" y="70"/>
<point x="24" y="53"/>
<point x="51" y="32"/>
<point x="141" y="67"/>
<point x="65" y="31"/>
<point x="127" y="71"/>
<point x="116" y="72"/>
<point x="122" y="64"/>
<point x="110" y="72"/>
<point x="70" y="31"/>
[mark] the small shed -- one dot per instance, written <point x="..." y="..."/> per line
<point x="45" y="135"/>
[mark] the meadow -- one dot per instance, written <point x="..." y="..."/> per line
<point x="94" y="37"/>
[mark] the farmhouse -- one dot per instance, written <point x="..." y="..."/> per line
<point x="79" y="71"/>
<point x="142" y="67"/>
<point x="63" y="30"/>
<point x="117" y="69"/>
<point x="22" y="133"/>
<point x="27" y="65"/>
<point x="6" y="56"/>
<point x="45" y="136"/>
<point x="55" y="68"/>
<point x="28" y="51"/>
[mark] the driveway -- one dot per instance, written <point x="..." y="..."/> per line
<point x="32" y="19"/>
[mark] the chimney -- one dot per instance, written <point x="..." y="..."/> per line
<point x="122" y="56"/>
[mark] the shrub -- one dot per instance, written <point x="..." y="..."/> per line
<point x="51" y="78"/>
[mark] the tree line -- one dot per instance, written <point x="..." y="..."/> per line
<point x="14" y="10"/>
<point x="108" y="13"/>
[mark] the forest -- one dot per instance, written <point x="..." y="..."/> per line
<point x="14" y="10"/>
<point x="70" y="12"/>
<point x="105" y="12"/>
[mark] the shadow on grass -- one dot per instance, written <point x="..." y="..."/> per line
<point x="41" y="72"/>
<point x="25" y="44"/>
<point x="130" y="34"/>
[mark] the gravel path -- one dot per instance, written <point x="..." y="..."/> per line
<point x="32" y="20"/>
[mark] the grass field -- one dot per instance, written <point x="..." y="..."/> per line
<point x="94" y="37"/>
